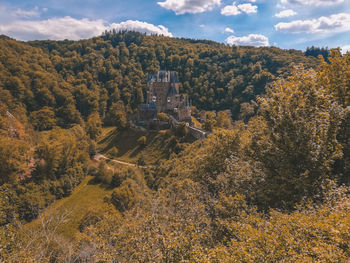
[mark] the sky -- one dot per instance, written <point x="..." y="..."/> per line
<point x="283" y="23"/>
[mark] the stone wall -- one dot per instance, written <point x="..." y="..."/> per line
<point x="196" y="133"/>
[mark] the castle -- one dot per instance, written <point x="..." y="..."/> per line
<point x="163" y="96"/>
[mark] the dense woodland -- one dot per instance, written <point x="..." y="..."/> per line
<point x="77" y="78"/>
<point x="269" y="185"/>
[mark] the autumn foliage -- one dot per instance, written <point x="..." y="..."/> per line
<point x="270" y="187"/>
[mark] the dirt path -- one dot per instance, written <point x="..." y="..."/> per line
<point x="100" y="156"/>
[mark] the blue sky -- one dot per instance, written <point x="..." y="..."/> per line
<point x="283" y="23"/>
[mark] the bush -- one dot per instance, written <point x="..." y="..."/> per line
<point x="113" y="152"/>
<point x="163" y="116"/>
<point x="141" y="161"/>
<point x="117" y="179"/>
<point x="90" y="218"/>
<point x="181" y="129"/>
<point x="104" y="174"/>
<point x="124" y="197"/>
<point x="142" y="141"/>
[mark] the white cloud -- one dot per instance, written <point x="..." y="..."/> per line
<point x="312" y="2"/>
<point x="248" y="8"/>
<point x="143" y="27"/>
<point x="27" y="13"/>
<point x="229" y="30"/>
<point x="345" y="49"/>
<point x="233" y="10"/>
<point x="9" y="13"/>
<point x="286" y="13"/>
<point x="250" y="40"/>
<point x="334" y="23"/>
<point x="230" y="10"/>
<point x="73" y="29"/>
<point x="189" y="6"/>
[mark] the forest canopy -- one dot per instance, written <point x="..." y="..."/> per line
<point x="270" y="186"/>
<point x="63" y="82"/>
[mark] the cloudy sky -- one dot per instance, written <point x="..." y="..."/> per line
<point x="283" y="23"/>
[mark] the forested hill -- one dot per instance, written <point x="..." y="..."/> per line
<point x="274" y="188"/>
<point x="73" y="79"/>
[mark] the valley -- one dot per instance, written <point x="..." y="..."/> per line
<point x="233" y="154"/>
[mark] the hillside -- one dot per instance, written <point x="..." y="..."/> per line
<point x="67" y="81"/>
<point x="271" y="185"/>
<point x="158" y="144"/>
<point x="88" y="197"/>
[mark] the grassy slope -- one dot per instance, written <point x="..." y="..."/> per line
<point x="87" y="196"/>
<point x="158" y="143"/>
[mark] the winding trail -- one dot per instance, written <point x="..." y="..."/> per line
<point x="100" y="156"/>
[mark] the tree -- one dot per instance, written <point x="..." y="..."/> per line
<point x="295" y="139"/>
<point x="117" y="179"/>
<point x="335" y="76"/>
<point x="94" y="125"/>
<point x="125" y="196"/>
<point x="43" y="119"/>
<point x="13" y="159"/>
<point x="223" y="120"/>
<point x="317" y="51"/>
<point x="104" y="173"/>
<point x="116" y="115"/>
<point x="141" y="160"/>
<point x="181" y="129"/>
<point x="210" y="121"/>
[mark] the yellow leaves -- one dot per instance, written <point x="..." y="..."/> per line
<point x="296" y="237"/>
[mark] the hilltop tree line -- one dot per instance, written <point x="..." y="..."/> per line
<point x="63" y="82"/>
<point x="317" y="51"/>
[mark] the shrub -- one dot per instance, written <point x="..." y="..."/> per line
<point x="141" y="161"/>
<point x="104" y="174"/>
<point x="90" y="218"/>
<point x="163" y="116"/>
<point x="142" y="141"/>
<point x="181" y="129"/>
<point x="113" y="152"/>
<point x="117" y="179"/>
<point x="124" y="197"/>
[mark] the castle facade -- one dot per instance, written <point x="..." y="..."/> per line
<point x="163" y="96"/>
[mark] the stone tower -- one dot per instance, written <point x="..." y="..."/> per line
<point x="163" y="90"/>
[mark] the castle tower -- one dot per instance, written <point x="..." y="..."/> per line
<point x="162" y="88"/>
